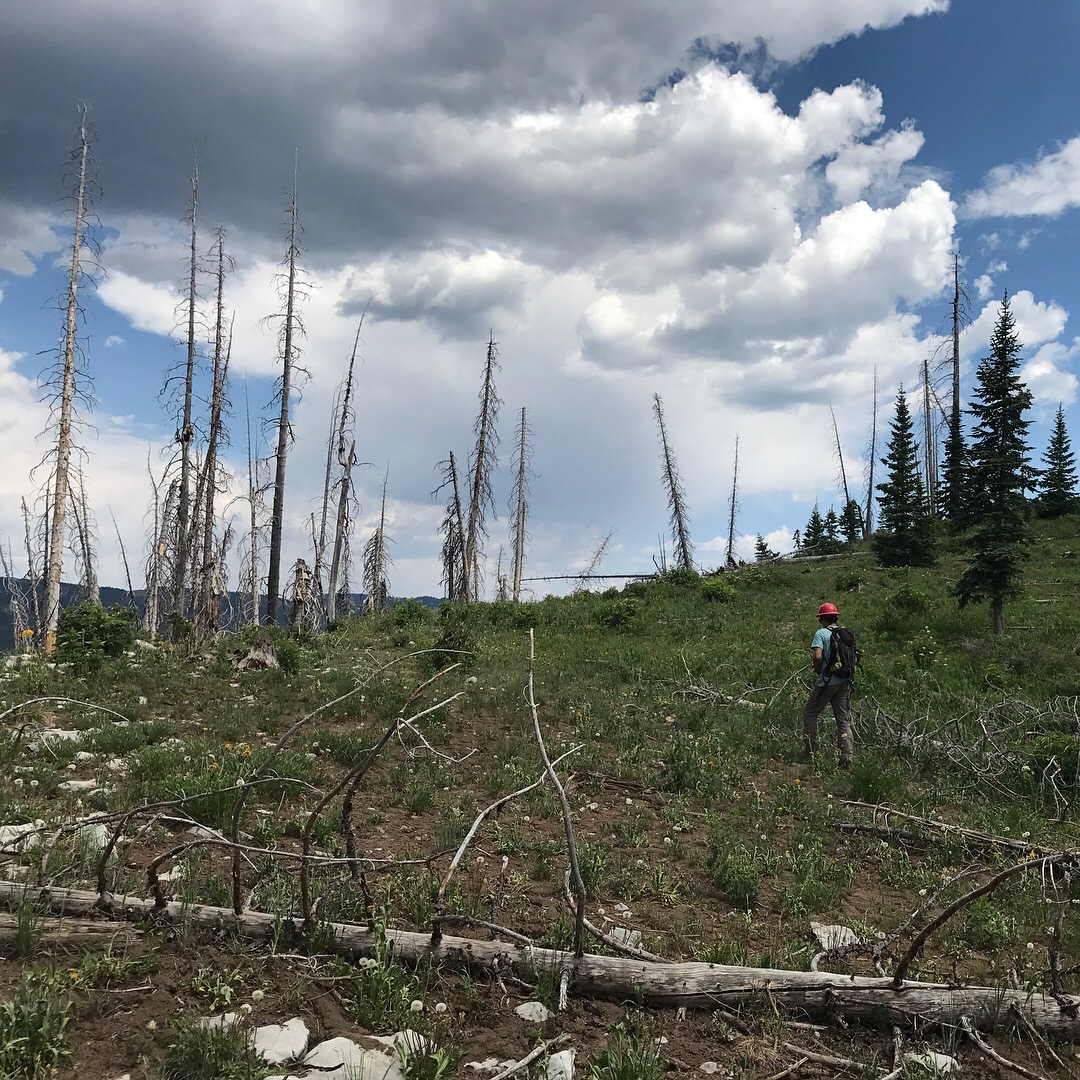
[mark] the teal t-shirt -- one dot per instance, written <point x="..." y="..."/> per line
<point x="823" y="641"/>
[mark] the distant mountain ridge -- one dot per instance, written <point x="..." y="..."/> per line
<point x="110" y="597"/>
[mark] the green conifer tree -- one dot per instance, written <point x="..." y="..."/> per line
<point x="762" y="551"/>
<point x="905" y="533"/>
<point x="851" y="521"/>
<point x="830" y="528"/>
<point x="814" y="533"/>
<point x="999" y="472"/>
<point x="1057" y="488"/>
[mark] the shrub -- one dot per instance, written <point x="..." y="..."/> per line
<point x="716" y="590"/>
<point x="735" y="872"/>
<point x="618" y="613"/>
<point x="988" y="928"/>
<point x="212" y="1053"/>
<point x="88" y="633"/>
<point x="906" y="600"/>
<point x="409" y="613"/>
<point x="456" y="640"/>
<point x="873" y="782"/>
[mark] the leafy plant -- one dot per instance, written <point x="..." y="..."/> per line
<point x="631" y="1054"/>
<point x="716" y="590"/>
<point x="33" y="1027"/>
<point x="88" y="633"/>
<point x="201" y="1052"/>
<point x="218" y="988"/>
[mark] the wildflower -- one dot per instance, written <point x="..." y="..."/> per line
<point x="441" y="1007"/>
<point x="416" y="1006"/>
<point x="213" y="765"/>
<point x="228" y="746"/>
<point x="797" y="780"/>
<point x="73" y="973"/>
<point x="28" y="633"/>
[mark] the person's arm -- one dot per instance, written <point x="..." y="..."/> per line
<point x="817" y="658"/>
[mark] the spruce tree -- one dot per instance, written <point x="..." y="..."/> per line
<point x="999" y="472"/>
<point x="1057" y="489"/>
<point x="762" y="551"/>
<point x="814" y="533"/>
<point x="830" y="527"/>
<point x="905" y="534"/>
<point x="851" y="521"/>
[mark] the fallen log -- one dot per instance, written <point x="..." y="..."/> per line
<point x="691" y="984"/>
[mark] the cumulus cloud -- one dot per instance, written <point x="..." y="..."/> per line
<point x="1047" y="377"/>
<point x="1045" y="187"/>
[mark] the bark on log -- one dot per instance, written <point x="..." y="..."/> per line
<point x="693" y="984"/>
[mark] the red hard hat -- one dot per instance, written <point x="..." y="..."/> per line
<point x="828" y="609"/>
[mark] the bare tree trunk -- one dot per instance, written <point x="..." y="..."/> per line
<point x="186" y="431"/>
<point x="840" y="456"/>
<point x="31" y="569"/>
<point x="291" y="330"/>
<point x="730" y="560"/>
<point x="60" y="485"/>
<point x="207" y="614"/>
<point x="376" y="584"/>
<point x="997" y="615"/>
<point x="929" y="442"/>
<point x="346" y="459"/>
<point x="680" y="520"/>
<point x="455" y="564"/>
<point x="481" y="499"/>
<point x="253" y="527"/>
<point x="521" y="492"/>
<point x="124" y="559"/>
<point x="80" y="512"/>
<point x="868" y="515"/>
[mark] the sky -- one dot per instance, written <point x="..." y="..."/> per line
<point x="747" y="207"/>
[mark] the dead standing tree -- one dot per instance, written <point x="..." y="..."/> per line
<point x="292" y="329"/>
<point x="482" y="465"/>
<point x="185" y="431"/>
<point x="69" y="353"/>
<point x="341" y="436"/>
<point x="376" y="563"/>
<point x="206" y="609"/>
<point x="520" y="501"/>
<point x="730" y="560"/>
<point x="455" y="569"/>
<point x="868" y="512"/>
<point x="676" y="497"/>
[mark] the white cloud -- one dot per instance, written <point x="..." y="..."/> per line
<point x="25" y="235"/>
<point x="984" y="286"/>
<point x="1046" y="187"/>
<point x="1046" y="377"/>
<point x="114" y="341"/>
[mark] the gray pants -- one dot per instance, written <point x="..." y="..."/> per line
<point x="838" y="696"/>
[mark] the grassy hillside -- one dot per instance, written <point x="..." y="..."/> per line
<point x="680" y="700"/>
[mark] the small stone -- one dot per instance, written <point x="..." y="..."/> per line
<point x="534" y="1012"/>
<point x="278" y="1044"/>
<point x="561" y="1065"/>
<point x="709" y="1067"/>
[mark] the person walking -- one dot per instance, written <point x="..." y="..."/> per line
<point x="832" y="688"/>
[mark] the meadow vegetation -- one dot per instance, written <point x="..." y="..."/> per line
<point x="696" y="823"/>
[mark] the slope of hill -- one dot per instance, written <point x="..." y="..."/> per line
<point x="672" y="708"/>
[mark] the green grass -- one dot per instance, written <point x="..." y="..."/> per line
<point x="688" y="802"/>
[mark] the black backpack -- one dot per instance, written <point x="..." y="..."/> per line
<point x="844" y="657"/>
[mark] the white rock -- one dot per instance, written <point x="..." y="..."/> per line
<point x="831" y="936"/>
<point x="278" y="1044"/>
<point x="116" y="765"/>
<point x="561" y="1065"/>
<point x="77" y="785"/>
<point x="625" y="936"/>
<point x="93" y="834"/>
<point x="47" y="735"/>
<point x="85" y="756"/>
<point x="938" y="1064"/>
<point x="709" y="1067"/>
<point x="12" y="836"/>
<point x="342" y="1059"/>
<point x="534" y="1012"/>
<point x="225" y="1020"/>
<point x="491" y="1065"/>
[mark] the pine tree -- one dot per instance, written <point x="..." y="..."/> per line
<point x="830" y="528"/>
<point x="999" y="473"/>
<point x="814" y="532"/>
<point x="851" y="521"/>
<point x="1058" y="485"/>
<point x="905" y="535"/>
<point x="762" y="551"/>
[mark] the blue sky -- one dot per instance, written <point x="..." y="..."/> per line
<point x="751" y="244"/>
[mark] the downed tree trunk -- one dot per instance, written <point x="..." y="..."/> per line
<point x="815" y="993"/>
